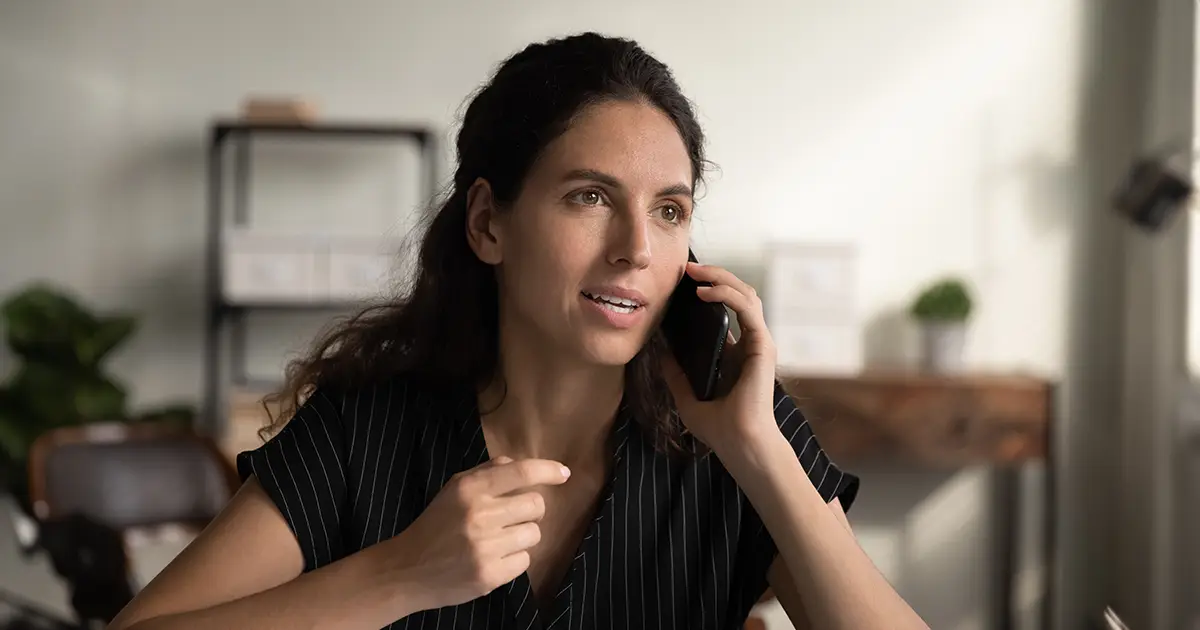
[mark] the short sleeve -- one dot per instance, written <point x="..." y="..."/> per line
<point x="757" y="549"/>
<point x="302" y="469"/>
<point x="830" y="480"/>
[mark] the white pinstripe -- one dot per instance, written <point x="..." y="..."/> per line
<point x="366" y="448"/>
<point x="712" y="604"/>
<point x="325" y="428"/>
<point x="303" y="510"/>
<point x="391" y="464"/>
<point x="378" y="455"/>
<point x="320" y="517"/>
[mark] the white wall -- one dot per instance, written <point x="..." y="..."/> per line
<point x="940" y="136"/>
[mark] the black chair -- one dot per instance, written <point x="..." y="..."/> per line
<point x="91" y="485"/>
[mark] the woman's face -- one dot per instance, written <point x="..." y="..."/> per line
<point x="597" y="239"/>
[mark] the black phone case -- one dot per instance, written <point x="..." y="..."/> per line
<point x="696" y="331"/>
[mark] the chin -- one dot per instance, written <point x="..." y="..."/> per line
<point x="611" y="350"/>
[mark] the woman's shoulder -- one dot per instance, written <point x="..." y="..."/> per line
<point x="409" y="399"/>
<point x="347" y="419"/>
<point x="335" y="444"/>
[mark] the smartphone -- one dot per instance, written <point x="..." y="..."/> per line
<point x="696" y="331"/>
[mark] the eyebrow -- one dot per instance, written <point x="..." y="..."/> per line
<point x="609" y="180"/>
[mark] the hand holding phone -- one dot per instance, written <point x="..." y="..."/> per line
<point x="724" y="389"/>
<point x="696" y="332"/>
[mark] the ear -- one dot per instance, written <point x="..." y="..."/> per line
<point x="483" y="223"/>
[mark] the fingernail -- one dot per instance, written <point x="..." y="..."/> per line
<point x="566" y="472"/>
<point x="503" y="459"/>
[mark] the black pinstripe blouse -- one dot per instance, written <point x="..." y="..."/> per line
<point x="675" y="544"/>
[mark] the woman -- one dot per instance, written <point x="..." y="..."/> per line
<point x="508" y="446"/>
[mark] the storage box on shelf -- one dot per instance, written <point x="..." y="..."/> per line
<point x="290" y="269"/>
<point x="361" y="268"/>
<point x="273" y="269"/>
<point x="810" y="297"/>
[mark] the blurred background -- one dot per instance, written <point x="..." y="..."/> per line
<point x="1004" y="357"/>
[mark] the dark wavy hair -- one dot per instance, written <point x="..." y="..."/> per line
<point x="444" y="327"/>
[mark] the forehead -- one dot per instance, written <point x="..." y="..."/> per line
<point x="632" y="141"/>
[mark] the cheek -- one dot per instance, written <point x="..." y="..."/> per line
<point x="563" y="243"/>
<point x="666" y="277"/>
<point x="543" y="256"/>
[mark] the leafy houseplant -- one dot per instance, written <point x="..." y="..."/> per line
<point x="60" y="380"/>
<point x="942" y="310"/>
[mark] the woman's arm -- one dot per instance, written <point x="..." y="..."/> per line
<point x="244" y="571"/>
<point x="822" y="577"/>
<point x="833" y="580"/>
<point x="783" y="586"/>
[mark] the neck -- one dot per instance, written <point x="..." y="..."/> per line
<point x="538" y="406"/>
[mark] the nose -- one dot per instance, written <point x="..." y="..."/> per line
<point x="629" y="242"/>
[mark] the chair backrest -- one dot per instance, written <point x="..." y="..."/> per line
<point x="125" y="475"/>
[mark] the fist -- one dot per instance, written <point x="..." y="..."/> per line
<point x="476" y="533"/>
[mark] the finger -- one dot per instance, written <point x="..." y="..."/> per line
<point x="491" y="463"/>
<point x="730" y="296"/>
<point x="471" y="481"/>
<point x="747" y="307"/>
<point x="460" y="476"/>
<point x="756" y="339"/>
<point x="719" y="276"/>
<point x="505" y="478"/>
<point x="513" y="539"/>
<point x="519" y="508"/>
<point x="512" y="566"/>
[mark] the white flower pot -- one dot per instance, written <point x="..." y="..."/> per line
<point x="942" y="346"/>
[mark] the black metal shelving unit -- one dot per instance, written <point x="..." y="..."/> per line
<point x="232" y="140"/>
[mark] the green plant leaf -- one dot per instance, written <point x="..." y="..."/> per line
<point x="16" y="435"/>
<point x="99" y="399"/>
<point x="59" y="381"/>
<point x="40" y="323"/>
<point x="46" y="393"/>
<point x="108" y="333"/>
<point x="55" y="397"/>
<point x="13" y="440"/>
<point x="50" y="326"/>
<point x="945" y="300"/>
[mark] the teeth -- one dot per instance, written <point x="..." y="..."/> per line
<point x="615" y="308"/>
<point x="620" y="305"/>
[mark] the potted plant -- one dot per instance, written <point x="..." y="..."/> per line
<point x="59" y="379"/>
<point x="942" y="310"/>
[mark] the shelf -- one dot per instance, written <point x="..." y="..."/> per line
<point x="236" y="306"/>
<point x="223" y="129"/>
<point x="244" y="276"/>
<point x="931" y="421"/>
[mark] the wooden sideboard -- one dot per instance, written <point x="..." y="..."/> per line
<point x="948" y="422"/>
<point x="927" y="420"/>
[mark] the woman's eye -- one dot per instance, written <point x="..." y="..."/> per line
<point x="589" y="198"/>
<point x="672" y="214"/>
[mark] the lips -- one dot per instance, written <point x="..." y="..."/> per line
<point x="614" y="302"/>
